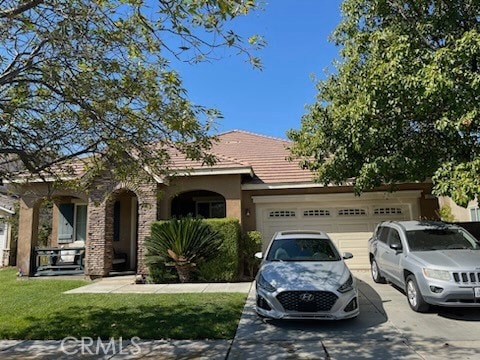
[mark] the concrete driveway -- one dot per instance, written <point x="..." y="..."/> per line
<point x="385" y="329"/>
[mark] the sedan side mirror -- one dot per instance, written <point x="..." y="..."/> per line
<point x="258" y="255"/>
<point x="347" y="255"/>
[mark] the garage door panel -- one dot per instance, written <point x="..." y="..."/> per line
<point x="353" y="226"/>
<point x="349" y="224"/>
<point x="360" y="261"/>
<point x="353" y="237"/>
<point x="355" y="243"/>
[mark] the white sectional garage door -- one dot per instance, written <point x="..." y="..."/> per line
<point x="349" y="220"/>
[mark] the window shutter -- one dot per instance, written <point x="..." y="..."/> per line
<point x="65" y="223"/>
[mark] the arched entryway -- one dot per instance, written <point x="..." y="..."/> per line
<point x="199" y="203"/>
<point x="124" y="216"/>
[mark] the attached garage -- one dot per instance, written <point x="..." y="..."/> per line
<point x="348" y="219"/>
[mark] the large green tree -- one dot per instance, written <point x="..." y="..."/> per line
<point x="80" y="78"/>
<point x="403" y="103"/>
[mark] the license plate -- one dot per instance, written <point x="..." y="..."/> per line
<point x="477" y="292"/>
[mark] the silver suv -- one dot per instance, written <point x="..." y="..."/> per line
<point x="436" y="263"/>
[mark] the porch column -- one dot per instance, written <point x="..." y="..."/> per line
<point x="147" y="214"/>
<point x="27" y="234"/>
<point x="98" y="257"/>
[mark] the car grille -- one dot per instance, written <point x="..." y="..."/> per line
<point x="307" y="301"/>
<point x="467" y="277"/>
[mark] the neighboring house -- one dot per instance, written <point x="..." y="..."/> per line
<point x="468" y="217"/>
<point x="462" y="214"/>
<point x="252" y="181"/>
<point x="7" y="209"/>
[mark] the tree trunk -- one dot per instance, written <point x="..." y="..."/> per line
<point x="184" y="271"/>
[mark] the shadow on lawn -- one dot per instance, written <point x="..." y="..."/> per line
<point x="145" y="322"/>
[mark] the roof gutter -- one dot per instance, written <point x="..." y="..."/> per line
<point x="214" y="171"/>
<point x="295" y="185"/>
<point x="9" y="211"/>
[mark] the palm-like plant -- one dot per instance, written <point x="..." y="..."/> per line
<point x="182" y="243"/>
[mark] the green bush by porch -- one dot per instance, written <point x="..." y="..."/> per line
<point x="226" y="265"/>
<point x="38" y="309"/>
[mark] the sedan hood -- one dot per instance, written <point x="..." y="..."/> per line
<point x="306" y="275"/>
<point x="456" y="259"/>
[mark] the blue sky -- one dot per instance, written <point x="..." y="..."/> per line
<point x="270" y="101"/>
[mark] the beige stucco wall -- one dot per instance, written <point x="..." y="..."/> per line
<point x="460" y="213"/>
<point x="229" y="186"/>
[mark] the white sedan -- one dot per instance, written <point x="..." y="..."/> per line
<point x="303" y="276"/>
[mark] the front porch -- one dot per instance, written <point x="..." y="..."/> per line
<point x="92" y="234"/>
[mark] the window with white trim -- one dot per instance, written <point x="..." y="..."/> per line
<point x="316" y="213"/>
<point x="72" y="223"/>
<point x="475" y="214"/>
<point x="281" y="213"/>
<point x="352" y="212"/>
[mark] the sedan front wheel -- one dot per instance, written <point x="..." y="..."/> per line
<point x="415" y="298"/>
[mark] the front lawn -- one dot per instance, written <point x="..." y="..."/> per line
<point x="38" y="309"/>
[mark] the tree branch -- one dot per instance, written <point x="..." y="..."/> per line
<point x="20" y="9"/>
<point x="11" y="73"/>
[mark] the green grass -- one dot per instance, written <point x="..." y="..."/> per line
<point x="38" y="309"/>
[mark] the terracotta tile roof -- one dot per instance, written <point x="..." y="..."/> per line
<point x="267" y="156"/>
<point x="179" y="162"/>
<point x="237" y="151"/>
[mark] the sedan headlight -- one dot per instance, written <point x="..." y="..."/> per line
<point x="347" y="285"/>
<point x="436" y="274"/>
<point x="265" y="285"/>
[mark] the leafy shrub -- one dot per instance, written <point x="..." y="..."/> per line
<point x="159" y="273"/>
<point x="225" y="266"/>
<point x="252" y="243"/>
<point x="445" y="214"/>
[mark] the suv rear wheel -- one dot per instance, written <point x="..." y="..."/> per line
<point x="376" y="272"/>
<point x="415" y="298"/>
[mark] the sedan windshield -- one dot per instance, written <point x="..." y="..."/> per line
<point x="303" y="250"/>
<point x="440" y="239"/>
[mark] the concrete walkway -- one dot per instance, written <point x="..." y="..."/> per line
<point x="126" y="285"/>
